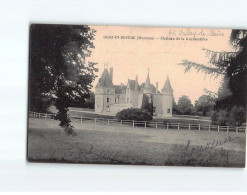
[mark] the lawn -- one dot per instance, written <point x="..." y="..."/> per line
<point x="84" y="112"/>
<point x="47" y="142"/>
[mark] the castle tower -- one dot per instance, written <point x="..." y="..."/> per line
<point x="167" y="98"/>
<point x="104" y="92"/>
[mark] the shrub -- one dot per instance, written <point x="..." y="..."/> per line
<point x="134" y="114"/>
<point x="235" y="116"/>
<point x="223" y="117"/>
<point x="220" y="117"/>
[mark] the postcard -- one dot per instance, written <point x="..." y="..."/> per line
<point x="131" y="95"/>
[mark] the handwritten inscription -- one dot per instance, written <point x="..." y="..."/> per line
<point x="190" y="150"/>
<point x="209" y="154"/>
<point x="195" y="32"/>
<point x="212" y="144"/>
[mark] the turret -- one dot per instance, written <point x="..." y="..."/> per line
<point x="167" y="86"/>
<point x="167" y="98"/>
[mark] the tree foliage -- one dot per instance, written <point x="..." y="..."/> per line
<point x="236" y="116"/>
<point x="174" y="107"/>
<point x="184" y="105"/>
<point x="204" y="104"/>
<point x="134" y="114"/>
<point x="87" y="102"/>
<point x="90" y="102"/>
<point x="147" y="104"/>
<point x="59" y="73"/>
<point x="233" y="68"/>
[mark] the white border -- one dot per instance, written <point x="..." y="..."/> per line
<point x="17" y="174"/>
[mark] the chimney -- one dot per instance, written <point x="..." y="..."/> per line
<point x="111" y="73"/>
<point x="136" y="83"/>
<point x="156" y="87"/>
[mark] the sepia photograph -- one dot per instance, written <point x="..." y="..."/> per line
<point x="132" y="95"/>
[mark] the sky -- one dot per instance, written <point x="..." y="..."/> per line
<point x="130" y="51"/>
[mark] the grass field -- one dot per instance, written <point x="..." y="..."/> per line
<point x="79" y="112"/>
<point x="85" y="112"/>
<point x="47" y="142"/>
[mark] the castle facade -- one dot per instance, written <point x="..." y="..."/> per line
<point x="114" y="98"/>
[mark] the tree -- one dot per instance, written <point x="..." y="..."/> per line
<point x="147" y="104"/>
<point x="59" y="73"/>
<point x="88" y="102"/>
<point x="232" y="66"/>
<point x="236" y="116"/>
<point x="204" y="104"/>
<point x="184" y="105"/>
<point x="174" y="107"/>
<point x="220" y="117"/>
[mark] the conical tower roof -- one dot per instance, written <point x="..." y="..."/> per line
<point x="105" y="79"/>
<point x="147" y="83"/>
<point x="167" y="85"/>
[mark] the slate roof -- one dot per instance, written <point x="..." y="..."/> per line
<point x="105" y="80"/>
<point x="147" y="83"/>
<point x="167" y="85"/>
<point x="119" y="88"/>
<point x="153" y="88"/>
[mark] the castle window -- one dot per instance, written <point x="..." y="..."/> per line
<point x="107" y="100"/>
<point x="154" y="110"/>
<point x="168" y="111"/>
